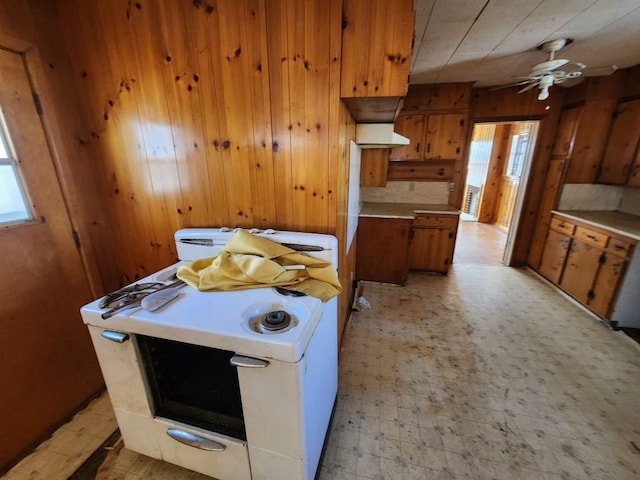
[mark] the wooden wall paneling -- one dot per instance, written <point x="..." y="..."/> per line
<point x="438" y="96"/>
<point x="567" y="125"/>
<point x="138" y="56"/>
<point x="100" y="82"/>
<point x="590" y="140"/>
<point x="548" y="201"/>
<point x="187" y="83"/>
<point x="489" y="201"/>
<point x="374" y="167"/>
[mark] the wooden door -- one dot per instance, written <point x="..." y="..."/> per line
<point x="431" y="249"/>
<point x="48" y="366"/>
<point x="580" y="271"/>
<point x="621" y="144"/>
<point x="606" y="284"/>
<point x="381" y="254"/>
<point x="507" y="200"/>
<point x="554" y="255"/>
<point x="565" y="133"/>
<point x="445" y="136"/>
<point x="412" y="127"/>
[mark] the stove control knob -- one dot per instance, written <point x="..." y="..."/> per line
<point x="225" y="229"/>
<point x="255" y="230"/>
<point x="269" y="231"/>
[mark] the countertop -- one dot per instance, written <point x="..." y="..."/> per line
<point x="404" y="210"/>
<point x="618" y="222"/>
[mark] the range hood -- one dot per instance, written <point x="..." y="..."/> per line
<point x="378" y="135"/>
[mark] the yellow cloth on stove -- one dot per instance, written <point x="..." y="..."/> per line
<point x="248" y="261"/>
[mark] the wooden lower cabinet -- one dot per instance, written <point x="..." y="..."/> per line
<point x="431" y="249"/>
<point x="554" y="255"/>
<point x="581" y="270"/>
<point x="604" y="289"/>
<point x="382" y="253"/>
<point x="586" y="262"/>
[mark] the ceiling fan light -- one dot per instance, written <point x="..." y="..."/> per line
<point x="544" y="93"/>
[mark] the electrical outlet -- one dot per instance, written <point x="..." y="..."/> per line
<point x="451" y="186"/>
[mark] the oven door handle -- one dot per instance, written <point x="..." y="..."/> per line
<point x="195" y="440"/>
<point x="249" y="362"/>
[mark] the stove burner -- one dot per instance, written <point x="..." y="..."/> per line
<point x="289" y="293"/>
<point x="276" y="320"/>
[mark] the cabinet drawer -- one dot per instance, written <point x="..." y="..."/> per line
<point x="562" y="226"/>
<point x="620" y="247"/>
<point x="444" y="221"/>
<point x="593" y="238"/>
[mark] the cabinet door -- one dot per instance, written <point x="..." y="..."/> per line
<point x="431" y="249"/>
<point x="606" y="284"/>
<point x="565" y="133"/>
<point x="621" y="145"/>
<point x="589" y="141"/>
<point x="580" y="271"/>
<point x="445" y="136"/>
<point x="382" y="249"/>
<point x="374" y="167"/>
<point x="412" y="127"/>
<point x="554" y="255"/>
<point x="634" y="178"/>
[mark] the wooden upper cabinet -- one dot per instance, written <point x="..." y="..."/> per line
<point x="374" y="166"/>
<point x="376" y="48"/>
<point x="621" y="144"/>
<point x="565" y="133"/>
<point x="412" y="127"/>
<point x="445" y="136"/>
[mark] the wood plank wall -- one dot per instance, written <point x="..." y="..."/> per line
<point x="209" y="114"/>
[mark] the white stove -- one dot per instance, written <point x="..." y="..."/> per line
<point x="236" y="385"/>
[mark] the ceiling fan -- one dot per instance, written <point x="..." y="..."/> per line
<point x="546" y="74"/>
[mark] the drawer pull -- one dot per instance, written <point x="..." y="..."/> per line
<point x="195" y="441"/>
<point x="592" y="237"/>
<point x="618" y="247"/>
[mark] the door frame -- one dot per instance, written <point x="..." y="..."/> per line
<point x="525" y="180"/>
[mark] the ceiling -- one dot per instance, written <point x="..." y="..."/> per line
<point x="491" y="41"/>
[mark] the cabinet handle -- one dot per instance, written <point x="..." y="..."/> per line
<point x="195" y="441"/>
<point x="418" y="147"/>
<point x="592" y="237"/>
<point x="428" y="147"/>
<point x="117" y="337"/>
<point x="618" y="247"/>
<point x="248" y="362"/>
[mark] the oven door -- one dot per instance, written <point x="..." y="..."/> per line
<point x="193" y="385"/>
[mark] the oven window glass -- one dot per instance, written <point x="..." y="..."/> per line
<point x="193" y="385"/>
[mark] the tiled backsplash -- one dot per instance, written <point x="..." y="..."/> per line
<point x="407" y="192"/>
<point x="630" y="201"/>
<point x="579" y="196"/>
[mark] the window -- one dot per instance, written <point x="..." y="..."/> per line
<point x="517" y="153"/>
<point x="13" y="203"/>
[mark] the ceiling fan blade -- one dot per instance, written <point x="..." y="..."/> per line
<point x="528" y="87"/>
<point x="516" y="84"/>
<point x="599" y="71"/>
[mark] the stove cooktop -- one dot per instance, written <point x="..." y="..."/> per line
<point x="220" y="319"/>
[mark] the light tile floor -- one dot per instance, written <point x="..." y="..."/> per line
<point x="508" y="380"/>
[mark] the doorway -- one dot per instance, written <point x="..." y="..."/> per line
<point x="499" y="160"/>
